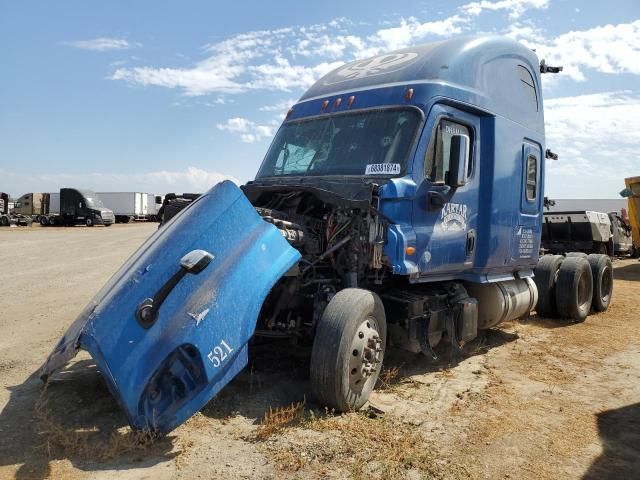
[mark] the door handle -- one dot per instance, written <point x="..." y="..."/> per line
<point x="471" y="242"/>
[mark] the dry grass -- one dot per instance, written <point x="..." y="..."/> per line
<point x="387" y="378"/>
<point x="87" y="443"/>
<point x="279" y="418"/>
<point x="356" y="445"/>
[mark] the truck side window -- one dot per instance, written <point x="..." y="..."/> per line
<point x="437" y="157"/>
<point x="526" y="82"/>
<point x="532" y="177"/>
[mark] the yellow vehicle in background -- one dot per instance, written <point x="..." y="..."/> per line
<point x="632" y="192"/>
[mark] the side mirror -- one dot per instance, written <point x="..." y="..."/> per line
<point x="195" y="261"/>
<point x="458" y="160"/>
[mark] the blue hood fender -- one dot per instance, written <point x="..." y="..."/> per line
<point x="163" y="374"/>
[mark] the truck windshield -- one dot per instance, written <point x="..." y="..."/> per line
<point x="94" y="202"/>
<point x="373" y="142"/>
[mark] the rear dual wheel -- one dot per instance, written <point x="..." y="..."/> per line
<point x="545" y="279"/>
<point x="569" y="287"/>
<point x="602" y="273"/>
<point x="574" y="289"/>
<point x="348" y="349"/>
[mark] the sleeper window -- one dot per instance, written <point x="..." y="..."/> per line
<point x="529" y="88"/>
<point x="532" y="177"/>
<point x="438" y="154"/>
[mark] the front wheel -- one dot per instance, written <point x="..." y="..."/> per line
<point x="348" y="349"/>
<point x="89" y="222"/>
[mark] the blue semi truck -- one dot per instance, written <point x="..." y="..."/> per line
<point x="401" y="198"/>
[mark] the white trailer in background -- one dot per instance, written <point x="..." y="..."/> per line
<point x="154" y="203"/>
<point x="127" y="206"/>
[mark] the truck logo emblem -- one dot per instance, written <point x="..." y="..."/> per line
<point x="200" y="316"/>
<point x="372" y="66"/>
<point x="454" y="217"/>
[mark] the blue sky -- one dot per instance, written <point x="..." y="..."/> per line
<point x="174" y="96"/>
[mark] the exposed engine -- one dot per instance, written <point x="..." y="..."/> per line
<point x="341" y="247"/>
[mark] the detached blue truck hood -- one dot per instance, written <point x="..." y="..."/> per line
<point x="163" y="374"/>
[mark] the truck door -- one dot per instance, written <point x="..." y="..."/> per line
<point x="445" y="216"/>
<point x="526" y="236"/>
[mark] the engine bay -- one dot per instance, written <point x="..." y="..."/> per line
<point x="341" y="246"/>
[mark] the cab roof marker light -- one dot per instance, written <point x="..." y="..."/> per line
<point x="337" y="103"/>
<point x="325" y="104"/>
<point x="350" y="100"/>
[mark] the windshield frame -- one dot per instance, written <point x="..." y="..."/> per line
<point x="404" y="170"/>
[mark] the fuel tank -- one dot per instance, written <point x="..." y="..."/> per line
<point x="502" y="301"/>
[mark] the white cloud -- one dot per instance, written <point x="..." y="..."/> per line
<point x="101" y="44"/>
<point x="515" y="7"/>
<point x="598" y="139"/>
<point x="191" y="179"/>
<point x="607" y="49"/>
<point x="280" y="107"/>
<point x="285" y="60"/>
<point x="411" y="31"/>
<point x="248" y="131"/>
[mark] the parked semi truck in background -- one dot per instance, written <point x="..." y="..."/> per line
<point x="8" y="216"/>
<point x="73" y="206"/>
<point x="578" y="231"/>
<point x="127" y="206"/>
<point x="402" y="197"/>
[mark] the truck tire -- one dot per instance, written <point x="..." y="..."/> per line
<point x="52" y="221"/>
<point x="545" y="280"/>
<point x="89" y="222"/>
<point x="4" y="221"/>
<point x="348" y="349"/>
<point x="576" y="254"/>
<point x="574" y="289"/>
<point x="43" y="221"/>
<point x="602" y="273"/>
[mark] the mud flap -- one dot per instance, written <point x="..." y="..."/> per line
<point x="163" y="371"/>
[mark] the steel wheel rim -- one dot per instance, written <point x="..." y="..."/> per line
<point x="583" y="290"/>
<point x="365" y="355"/>
<point x="606" y="281"/>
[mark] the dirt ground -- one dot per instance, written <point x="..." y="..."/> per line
<point x="533" y="399"/>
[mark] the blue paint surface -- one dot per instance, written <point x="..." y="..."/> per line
<point x="474" y="81"/>
<point x="250" y="255"/>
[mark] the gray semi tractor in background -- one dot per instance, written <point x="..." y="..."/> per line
<point x="9" y="217"/>
<point x="71" y="206"/>
<point x="586" y="231"/>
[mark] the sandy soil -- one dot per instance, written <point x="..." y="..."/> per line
<point x="533" y="399"/>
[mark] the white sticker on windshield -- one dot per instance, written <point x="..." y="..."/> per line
<point x="382" y="169"/>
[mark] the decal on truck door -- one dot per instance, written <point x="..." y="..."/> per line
<point x="453" y="217"/>
<point x="525" y="242"/>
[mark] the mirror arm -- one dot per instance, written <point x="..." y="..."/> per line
<point x="147" y="311"/>
<point x="193" y="262"/>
